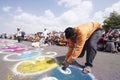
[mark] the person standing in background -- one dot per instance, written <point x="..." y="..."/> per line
<point x="19" y="35"/>
<point x="23" y="35"/>
<point x="44" y="36"/>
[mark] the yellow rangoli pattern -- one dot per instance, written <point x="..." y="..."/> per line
<point x="37" y="65"/>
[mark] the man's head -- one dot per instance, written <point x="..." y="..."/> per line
<point x="44" y="29"/>
<point x="69" y="32"/>
<point x="18" y="29"/>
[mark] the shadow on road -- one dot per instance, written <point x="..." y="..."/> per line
<point x="60" y="59"/>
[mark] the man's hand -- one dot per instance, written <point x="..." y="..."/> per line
<point x="65" y="64"/>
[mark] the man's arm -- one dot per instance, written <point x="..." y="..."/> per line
<point x="70" y="49"/>
<point x="78" y="48"/>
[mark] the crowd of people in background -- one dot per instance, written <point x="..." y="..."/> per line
<point x="48" y="38"/>
<point x="109" y="41"/>
<point x="43" y="38"/>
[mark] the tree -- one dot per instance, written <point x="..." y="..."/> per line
<point x="113" y="21"/>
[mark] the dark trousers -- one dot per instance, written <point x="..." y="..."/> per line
<point x="90" y="47"/>
<point x="19" y="38"/>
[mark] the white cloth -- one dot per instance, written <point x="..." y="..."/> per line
<point x="19" y="33"/>
<point x="45" y="34"/>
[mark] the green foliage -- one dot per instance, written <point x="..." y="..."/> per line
<point x="113" y="21"/>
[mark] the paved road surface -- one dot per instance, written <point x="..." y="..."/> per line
<point x="106" y="65"/>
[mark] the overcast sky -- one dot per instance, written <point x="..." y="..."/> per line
<point x="35" y="15"/>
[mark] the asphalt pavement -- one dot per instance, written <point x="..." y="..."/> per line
<point x="106" y="66"/>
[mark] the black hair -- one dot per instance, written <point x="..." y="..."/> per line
<point x="69" y="32"/>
